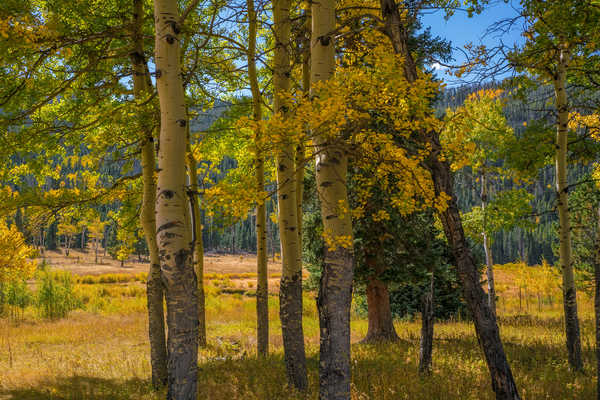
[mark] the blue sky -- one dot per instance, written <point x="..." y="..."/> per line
<point x="460" y="29"/>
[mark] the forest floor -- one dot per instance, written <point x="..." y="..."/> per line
<point x="101" y="352"/>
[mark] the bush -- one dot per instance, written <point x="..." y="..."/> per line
<point x="14" y="297"/>
<point x="55" y="297"/>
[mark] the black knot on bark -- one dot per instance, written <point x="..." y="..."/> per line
<point x="170" y="39"/>
<point x="324" y="40"/>
<point x="167" y="193"/>
<point x="175" y="27"/>
<point x="181" y="259"/>
<point x="181" y="122"/>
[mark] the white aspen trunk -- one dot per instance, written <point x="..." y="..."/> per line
<point x="198" y="246"/>
<point x="562" y="188"/>
<point x="300" y="149"/>
<point x="172" y="216"/>
<point x="335" y="290"/>
<point x="154" y="289"/>
<point x="262" y="280"/>
<point x="290" y="292"/>
<point x="486" y="247"/>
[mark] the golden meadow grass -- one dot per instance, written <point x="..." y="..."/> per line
<point x="102" y="352"/>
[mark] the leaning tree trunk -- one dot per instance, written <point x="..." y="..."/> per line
<point x="335" y="289"/>
<point x="154" y="289"/>
<point x="562" y="188"/>
<point x="489" y="264"/>
<point x="487" y="330"/>
<point x="290" y="290"/>
<point x="486" y="327"/>
<point x="381" y="323"/>
<point x="172" y="216"/>
<point x="427" y="321"/>
<point x="198" y="244"/>
<point x="262" y="284"/>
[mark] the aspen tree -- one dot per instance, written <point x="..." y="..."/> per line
<point x="562" y="187"/>
<point x="427" y="320"/>
<point x="476" y="135"/>
<point x="559" y="34"/>
<point x="154" y="289"/>
<point x="173" y="225"/>
<point x="489" y="264"/>
<point x="198" y="259"/>
<point x="335" y="289"/>
<point x="290" y="292"/>
<point x="262" y="285"/>
<point x="486" y="327"/>
<point x="301" y="149"/>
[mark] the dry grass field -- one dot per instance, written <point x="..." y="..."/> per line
<point x="101" y="350"/>
<point x="239" y="269"/>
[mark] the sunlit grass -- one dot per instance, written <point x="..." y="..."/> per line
<point x="101" y="352"/>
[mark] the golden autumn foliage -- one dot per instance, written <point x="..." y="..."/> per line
<point x="374" y="112"/>
<point x="15" y="254"/>
<point x="590" y="122"/>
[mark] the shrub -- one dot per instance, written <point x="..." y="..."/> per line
<point x="55" y="296"/>
<point x="14" y="297"/>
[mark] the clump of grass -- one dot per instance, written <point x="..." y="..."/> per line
<point x="112" y="278"/>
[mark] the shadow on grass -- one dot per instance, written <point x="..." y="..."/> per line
<point x="83" y="388"/>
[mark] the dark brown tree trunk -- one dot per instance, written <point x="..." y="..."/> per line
<point x="381" y="324"/>
<point x="427" y="321"/>
<point x="487" y="330"/>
